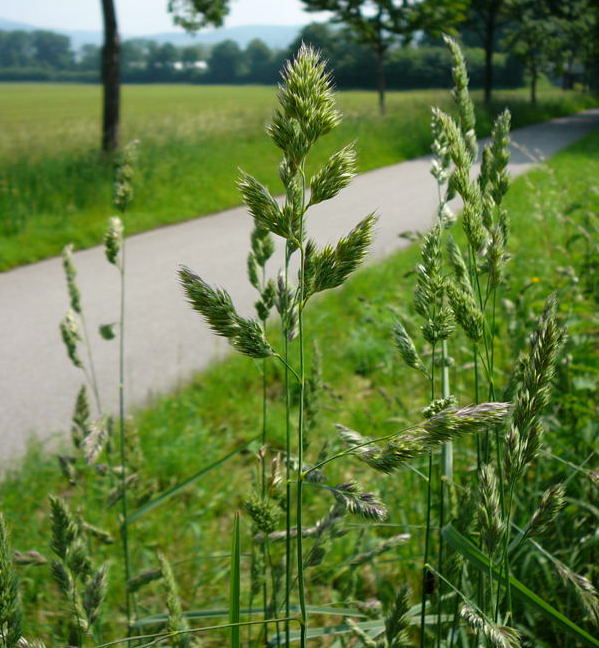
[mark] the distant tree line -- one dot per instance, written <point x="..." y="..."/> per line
<point x="532" y="39"/>
<point x="47" y="56"/>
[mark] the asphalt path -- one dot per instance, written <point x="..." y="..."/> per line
<point x="165" y="341"/>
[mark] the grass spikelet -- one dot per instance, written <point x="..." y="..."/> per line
<point x="440" y="149"/>
<point x="216" y="307"/>
<point x="94" y="594"/>
<point x="263" y="207"/>
<point x="493" y="172"/>
<point x="532" y="395"/>
<point x="439" y="405"/>
<point x="71" y="336"/>
<point x="264" y="514"/>
<point x="490" y="519"/>
<point x="444" y="426"/>
<point x="458" y="265"/>
<point x="113" y="240"/>
<point x="71" y="274"/>
<point x="584" y="589"/>
<point x="334" y="176"/>
<point x="381" y="548"/>
<point x="552" y="502"/>
<point x="357" y="502"/>
<point x="429" y="282"/>
<point x="466" y="311"/>
<point x="330" y="267"/>
<point x="176" y="620"/>
<point x="362" y="636"/>
<point x="498" y="636"/>
<point x="396" y="621"/>
<point x="143" y="578"/>
<point x="407" y="348"/>
<point x="29" y="558"/>
<point x="306" y="95"/>
<point x="95" y="532"/>
<point x="95" y="440"/>
<point x="64" y="529"/>
<point x="462" y="98"/>
<point x="81" y="414"/>
<point x="10" y="604"/>
<point x="123" y="176"/>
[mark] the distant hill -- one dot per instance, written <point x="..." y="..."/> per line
<point x="275" y="36"/>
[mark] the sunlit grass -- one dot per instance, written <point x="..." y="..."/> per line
<point x="55" y="187"/>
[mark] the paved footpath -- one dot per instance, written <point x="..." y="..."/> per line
<point x="165" y="341"/>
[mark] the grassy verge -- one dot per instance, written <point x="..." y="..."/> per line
<point x="366" y="385"/>
<point x="55" y="188"/>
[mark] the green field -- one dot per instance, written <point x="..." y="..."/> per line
<point x="55" y="188"/>
<point x="366" y="384"/>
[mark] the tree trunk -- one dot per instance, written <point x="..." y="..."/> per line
<point x="380" y="79"/>
<point x="533" y="85"/>
<point x="489" y="43"/>
<point x="110" y="78"/>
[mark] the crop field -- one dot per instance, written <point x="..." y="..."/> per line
<point x="55" y="187"/>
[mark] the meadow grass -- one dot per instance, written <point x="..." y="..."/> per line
<point x="365" y="386"/>
<point x="55" y="188"/>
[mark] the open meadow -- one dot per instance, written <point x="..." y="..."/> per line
<point x="55" y="188"/>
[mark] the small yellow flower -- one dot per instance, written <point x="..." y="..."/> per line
<point x="535" y="280"/>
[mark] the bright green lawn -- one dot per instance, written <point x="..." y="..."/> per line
<point x="55" y="188"/>
<point x="366" y="384"/>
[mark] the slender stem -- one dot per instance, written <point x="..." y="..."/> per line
<point x="427" y="533"/>
<point x="93" y="379"/>
<point x="300" y="453"/>
<point x="288" y="572"/>
<point x="446" y="478"/>
<point x="123" y="449"/>
<point x="177" y="633"/>
<point x="288" y="367"/>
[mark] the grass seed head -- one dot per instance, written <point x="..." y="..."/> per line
<point x="407" y="348"/>
<point x="10" y="603"/>
<point x="490" y="519"/>
<point x="462" y="98"/>
<point x="176" y="620"/>
<point x="334" y="176"/>
<point x="552" y="502"/>
<point x="71" y="336"/>
<point x="71" y="274"/>
<point x="498" y="636"/>
<point x="113" y="240"/>
<point x="466" y="311"/>
<point x="123" y="176"/>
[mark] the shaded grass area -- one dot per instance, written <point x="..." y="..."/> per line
<point x="55" y="188"/>
<point x="366" y="386"/>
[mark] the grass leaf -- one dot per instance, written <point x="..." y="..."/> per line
<point x="478" y="559"/>
<point x="163" y="497"/>
<point x="235" y="586"/>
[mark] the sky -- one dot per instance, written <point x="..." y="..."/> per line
<point x="146" y="16"/>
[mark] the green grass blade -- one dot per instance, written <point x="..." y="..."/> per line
<point x="235" y="585"/>
<point x="479" y="560"/>
<point x="374" y="628"/>
<point x="161" y="619"/>
<point x="163" y="497"/>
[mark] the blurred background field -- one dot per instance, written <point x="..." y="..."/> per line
<point x="55" y="187"/>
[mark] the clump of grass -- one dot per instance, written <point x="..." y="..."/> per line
<point x="307" y="516"/>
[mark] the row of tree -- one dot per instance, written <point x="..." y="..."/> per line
<point x="146" y="61"/>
